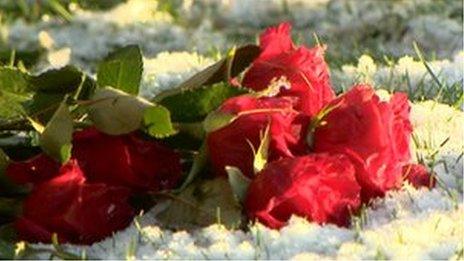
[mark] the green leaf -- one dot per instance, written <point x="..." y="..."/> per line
<point x="116" y="112"/>
<point x="193" y="129"/>
<point x="202" y="203"/>
<point x="57" y="136"/>
<point x="122" y="70"/>
<point x="261" y="154"/>
<point x="229" y="67"/>
<point x="11" y="105"/>
<point x="194" y="105"/>
<point x="43" y="105"/>
<point x="13" y="80"/>
<point x="216" y="120"/>
<point x="51" y="87"/>
<point x="238" y="182"/>
<point x="13" y="91"/>
<point x="157" y="119"/>
<point x="62" y="80"/>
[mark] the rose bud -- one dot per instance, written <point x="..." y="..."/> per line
<point x="78" y="212"/>
<point x="418" y="176"/>
<point x="303" y="67"/>
<point x="233" y="144"/>
<point x="320" y="187"/>
<point x="374" y="133"/>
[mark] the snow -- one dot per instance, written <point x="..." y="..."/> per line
<point x="169" y="69"/>
<point x="209" y="25"/>
<point x="435" y="233"/>
<point x="90" y="36"/>
<point x="407" y="74"/>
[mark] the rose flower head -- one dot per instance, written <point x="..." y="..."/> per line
<point x="303" y="67"/>
<point x="320" y="187"/>
<point x="78" y="212"/>
<point x="375" y="135"/>
<point x="234" y="144"/>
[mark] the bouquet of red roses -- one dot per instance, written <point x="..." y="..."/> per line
<point x="258" y="136"/>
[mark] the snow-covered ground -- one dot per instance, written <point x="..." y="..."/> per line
<point x="407" y="74"/>
<point x="349" y="27"/>
<point x="407" y="224"/>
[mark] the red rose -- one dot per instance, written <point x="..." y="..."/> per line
<point x="418" y="176"/>
<point x="319" y="187"/>
<point x="230" y="145"/>
<point x="304" y="68"/>
<point x="373" y="133"/>
<point x="126" y="160"/>
<point x="78" y="212"/>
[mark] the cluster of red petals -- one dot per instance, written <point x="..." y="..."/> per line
<point x="233" y="145"/>
<point x="320" y="187"/>
<point x="303" y="67"/>
<point x="126" y="160"/>
<point x="374" y="133"/>
<point x="78" y="212"/>
<point x="359" y="151"/>
<point x="87" y="199"/>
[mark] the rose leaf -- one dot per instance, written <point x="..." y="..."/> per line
<point x="56" y="138"/>
<point x="157" y="119"/>
<point x="238" y="182"/>
<point x="216" y="120"/>
<point x="122" y="70"/>
<point x="193" y="105"/>
<point x="115" y="112"/>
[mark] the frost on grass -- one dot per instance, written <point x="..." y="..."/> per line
<point x="384" y="27"/>
<point x="432" y="234"/>
<point x="438" y="128"/>
<point x="437" y="235"/>
<point x="408" y="75"/>
<point x="90" y="36"/>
